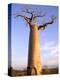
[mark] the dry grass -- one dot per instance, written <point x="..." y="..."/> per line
<point x="12" y="72"/>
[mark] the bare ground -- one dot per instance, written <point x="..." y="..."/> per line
<point x="13" y="72"/>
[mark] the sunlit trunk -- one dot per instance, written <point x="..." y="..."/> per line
<point x="34" y="64"/>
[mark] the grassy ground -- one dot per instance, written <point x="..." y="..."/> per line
<point x="12" y="72"/>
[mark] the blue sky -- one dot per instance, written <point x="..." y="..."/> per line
<point x="20" y="36"/>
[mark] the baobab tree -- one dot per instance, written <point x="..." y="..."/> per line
<point x="34" y="64"/>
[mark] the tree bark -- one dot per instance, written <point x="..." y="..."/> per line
<point x="34" y="64"/>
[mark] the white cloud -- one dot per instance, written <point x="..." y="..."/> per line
<point x="50" y="47"/>
<point x="54" y="52"/>
<point x="50" y="54"/>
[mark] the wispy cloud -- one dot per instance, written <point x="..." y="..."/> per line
<point x="50" y="47"/>
<point x="50" y="54"/>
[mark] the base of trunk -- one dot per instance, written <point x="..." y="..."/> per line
<point x="33" y="71"/>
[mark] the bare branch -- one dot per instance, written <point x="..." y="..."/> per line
<point x="34" y="15"/>
<point x="26" y="18"/>
<point x="45" y="25"/>
<point x="27" y="11"/>
<point x="31" y="13"/>
<point x="19" y="16"/>
<point x="40" y="15"/>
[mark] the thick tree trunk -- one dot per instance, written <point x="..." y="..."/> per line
<point x="34" y="64"/>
